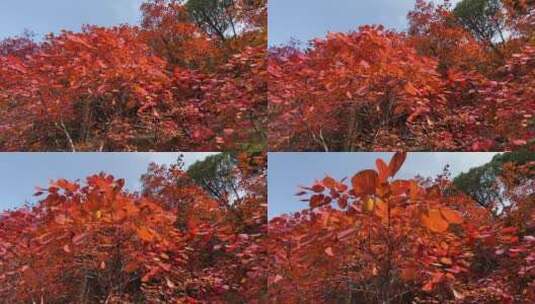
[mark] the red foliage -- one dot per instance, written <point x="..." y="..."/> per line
<point x="172" y="244"/>
<point x="433" y="88"/>
<point x="158" y="87"/>
<point x="404" y="241"/>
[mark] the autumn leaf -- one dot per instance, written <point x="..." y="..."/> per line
<point x="434" y="221"/>
<point x="369" y="204"/>
<point x="329" y="182"/>
<point x="396" y="162"/>
<point x="145" y="234"/>
<point x="317" y="200"/>
<point x="452" y="216"/>
<point x="64" y="184"/>
<point x="383" y="170"/>
<point x="329" y="251"/>
<point x="381" y="208"/>
<point x="318" y="188"/>
<point x="365" y="182"/>
<point x="410" y="89"/>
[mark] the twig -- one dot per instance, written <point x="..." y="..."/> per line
<point x="69" y="138"/>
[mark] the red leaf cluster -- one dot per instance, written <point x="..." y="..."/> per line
<point x="164" y="86"/>
<point x="173" y="243"/>
<point x="434" y="88"/>
<point x="405" y="241"/>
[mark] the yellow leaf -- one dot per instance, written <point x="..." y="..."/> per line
<point x="369" y="205"/>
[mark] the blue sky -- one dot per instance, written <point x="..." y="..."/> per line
<point x="20" y="173"/>
<point x="307" y="19"/>
<point x="43" y="17"/>
<point x="288" y="171"/>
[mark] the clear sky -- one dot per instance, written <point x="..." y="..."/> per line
<point x="43" y="17"/>
<point x="288" y="171"/>
<point x="20" y="173"/>
<point x="307" y="19"/>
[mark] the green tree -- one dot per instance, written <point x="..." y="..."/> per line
<point x="483" y="18"/>
<point x="216" y="17"/>
<point x="216" y="174"/>
<point x="481" y="182"/>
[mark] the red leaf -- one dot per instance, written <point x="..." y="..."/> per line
<point x="383" y="169"/>
<point x="316" y="200"/>
<point x="329" y="182"/>
<point x="318" y="188"/>
<point x="365" y="182"/>
<point x="396" y="162"/>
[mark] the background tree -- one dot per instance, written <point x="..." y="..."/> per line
<point x="19" y="46"/>
<point x="216" y="17"/>
<point x="482" y="183"/>
<point x="483" y="18"/>
<point x="215" y="175"/>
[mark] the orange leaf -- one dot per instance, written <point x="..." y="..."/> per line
<point x="409" y="88"/>
<point x="365" y="182"/>
<point x="64" y="184"/>
<point x="145" y="234"/>
<point x="369" y="204"/>
<point x="382" y="168"/>
<point x="329" y="251"/>
<point x="434" y="221"/>
<point x="396" y="162"/>
<point x="381" y="208"/>
<point x="329" y="182"/>
<point x="400" y="186"/>
<point x="452" y="216"/>
<point x="316" y="200"/>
